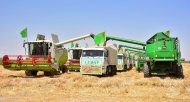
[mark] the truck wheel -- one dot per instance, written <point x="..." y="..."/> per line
<point x="146" y="70"/>
<point x="31" y="73"/>
<point x="114" y="70"/>
<point x="138" y="69"/>
<point x="109" y="71"/>
<point x="125" y="67"/>
<point x="179" y="73"/>
<point x="49" y="73"/>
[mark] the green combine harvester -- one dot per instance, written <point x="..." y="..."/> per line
<point x="164" y="56"/>
<point x="140" y="60"/>
<point x="133" y="49"/>
<point x="130" y="62"/>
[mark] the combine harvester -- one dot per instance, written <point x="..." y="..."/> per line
<point x="164" y="56"/>
<point x="131" y="57"/>
<point x="73" y="62"/>
<point x="140" y="60"/>
<point x="130" y="60"/>
<point x="43" y="55"/>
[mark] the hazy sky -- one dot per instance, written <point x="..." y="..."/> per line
<point x="132" y="19"/>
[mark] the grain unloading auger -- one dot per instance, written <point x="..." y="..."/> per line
<point x="43" y="55"/>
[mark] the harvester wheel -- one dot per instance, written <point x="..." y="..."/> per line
<point x="146" y="70"/>
<point x="179" y="73"/>
<point x="130" y="66"/>
<point x="31" y="73"/>
<point x="49" y="73"/>
<point x="63" y="69"/>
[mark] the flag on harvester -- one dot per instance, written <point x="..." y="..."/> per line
<point x="24" y="33"/>
<point x="72" y="45"/>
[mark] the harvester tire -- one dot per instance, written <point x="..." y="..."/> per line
<point x="31" y="73"/>
<point x="63" y="69"/>
<point x="146" y="70"/>
<point x="130" y="66"/>
<point x="179" y="73"/>
<point x="49" y="73"/>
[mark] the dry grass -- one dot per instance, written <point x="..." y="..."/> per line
<point x="73" y="87"/>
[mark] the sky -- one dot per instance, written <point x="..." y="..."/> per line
<point x="131" y="19"/>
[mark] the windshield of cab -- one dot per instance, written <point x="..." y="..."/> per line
<point x="120" y="56"/>
<point x="38" y="48"/>
<point x="92" y="53"/>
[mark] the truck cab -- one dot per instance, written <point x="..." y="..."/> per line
<point x="122" y="62"/>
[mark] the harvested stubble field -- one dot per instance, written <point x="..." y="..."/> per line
<point x="73" y="87"/>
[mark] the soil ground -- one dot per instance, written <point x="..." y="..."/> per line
<point x="73" y="87"/>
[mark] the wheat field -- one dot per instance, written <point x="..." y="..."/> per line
<point x="73" y="87"/>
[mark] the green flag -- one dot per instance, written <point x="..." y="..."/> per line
<point x="72" y="45"/>
<point x="120" y="51"/>
<point x="167" y="33"/>
<point x="100" y="38"/>
<point x="24" y="33"/>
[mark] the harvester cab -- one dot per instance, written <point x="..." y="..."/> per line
<point x="73" y="63"/>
